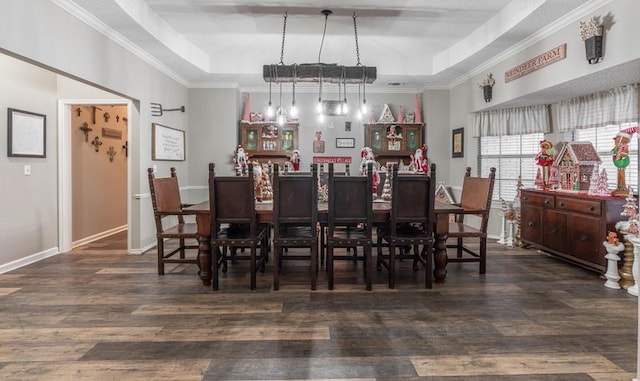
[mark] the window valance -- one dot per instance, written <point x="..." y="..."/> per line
<point x="611" y="107"/>
<point x="514" y="121"/>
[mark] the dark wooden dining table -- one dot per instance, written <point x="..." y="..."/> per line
<point x="264" y="212"/>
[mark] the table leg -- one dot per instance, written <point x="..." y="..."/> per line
<point x="204" y="249"/>
<point x="440" y="252"/>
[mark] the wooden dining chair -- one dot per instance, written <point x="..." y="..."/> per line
<point x="476" y="203"/>
<point x="350" y="204"/>
<point x="295" y="220"/>
<point x="168" y="213"/>
<point x="323" y="180"/>
<point x="411" y="223"/>
<point x="234" y="224"/>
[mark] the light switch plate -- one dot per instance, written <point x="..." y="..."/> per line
<point x="27" y="170"/>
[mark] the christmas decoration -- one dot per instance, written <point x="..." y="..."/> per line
<point x="602" y="188"/>
<point x="240" y="160"/>
<point x="267" y="188"/>
<point x="544" y="159"/>
<point x="539" y="182"/>
<point x="386" y="116"/>
<point x="401" y="115"/>
<point x="417" y="110"/>
<point x="367" y="156"/>
<point x="386" y="188"/>
<point x="620" y="156"/>
<point x="246" y="116"/>
<point x="419" y="160"/>
<point x="295" y="160"/>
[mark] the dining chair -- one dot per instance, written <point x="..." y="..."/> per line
<point x="323" y="196"/>
<point x="295" y="220"/>
<point x="475" y="201"/>
<point x="350" y="204"/>
<point x="234" y="223"/>
<point x="168" y="213"/>
<point x="411" y="223"/>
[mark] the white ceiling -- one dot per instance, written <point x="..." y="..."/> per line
<point x="415" y="44"/>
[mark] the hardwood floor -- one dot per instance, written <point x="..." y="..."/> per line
<point x="98" y="313"/>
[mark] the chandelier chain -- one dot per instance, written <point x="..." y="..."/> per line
<point x="284" y="32"/>
<point x="355" y="32"/>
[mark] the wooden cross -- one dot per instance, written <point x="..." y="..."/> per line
<point x="96" y="143"/>
<point x="111" y="152"/>
<point x="125" y="146"/>
<point x="85" y="129"/>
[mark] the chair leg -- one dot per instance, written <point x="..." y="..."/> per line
<point x="330" y="266"/>
<point x="276" y="267"/>
<point x="483" y="255"/>
<point x="459" y="248"/>
<point x="392" y="265"/>
<point x="182" y="250"/>
<point x="428" y="261"/>
<point x="215" y="258"/>
<point x="369" y="264"/>
<point x="252" y="267"/>
<point x="379" y="252"/>
<point x="314" y="266"/>
<point x="160" y="256"/>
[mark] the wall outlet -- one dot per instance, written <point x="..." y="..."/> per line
<point x="27" y="170"/>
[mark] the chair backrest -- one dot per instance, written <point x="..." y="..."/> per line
<point x="232" y="200"/>
<point x="165" y="196"/>
<point x="477" y="193"/>
<point x="350" y="199"/>
<point x="413" y="197"/>
<point x="295" y="199"/>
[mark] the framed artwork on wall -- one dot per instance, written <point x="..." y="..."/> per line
<point x="26" y="133"/>
<point x="167" y="143"/>
<point x="457" y="142"/>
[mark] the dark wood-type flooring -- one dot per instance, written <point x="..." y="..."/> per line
<point x="98" y="313"/>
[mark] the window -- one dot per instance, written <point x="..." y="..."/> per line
<point x="512" y="156"/>
<point x="602" y="140"/>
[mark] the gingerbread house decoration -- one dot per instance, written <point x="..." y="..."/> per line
<point x="575" y="163"/>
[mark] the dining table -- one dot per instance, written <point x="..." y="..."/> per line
<point x="381" y="214"/>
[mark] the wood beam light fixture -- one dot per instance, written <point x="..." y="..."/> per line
<point x="320" y="73"/>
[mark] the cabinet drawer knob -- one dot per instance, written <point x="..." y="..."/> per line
<point x="525" y="198"/>
<point x="530" y="223"/>
<point x="546" y="202"/>
<point x="584" y="237"/>
<point x="554" y="230"/>
<point x="591" y="208"/>
<point x="562" y="204"/>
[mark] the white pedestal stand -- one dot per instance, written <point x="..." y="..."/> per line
<point x="503" y="233"/>
<point x="633" y="290"/>
<point x="510" y="230"/>
<point x="612" y="264"/>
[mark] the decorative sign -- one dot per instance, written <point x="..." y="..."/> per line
<point x="167" y="143"/>
<point x="111" y="133"/>
<point x="547" y="58"/>
<point x="332" y="159"/>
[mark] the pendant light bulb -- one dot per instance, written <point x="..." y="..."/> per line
<point x="345" y="108"/>
<point x="321" y="117"/>
<point x="364" y="107"/>
<point x="270" y="110"/>
<point x="319" y="107"/>
<point x="359" y="115"/>
<point x="294" y="110"/>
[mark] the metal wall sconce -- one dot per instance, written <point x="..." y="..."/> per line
<point x="591" y="33"/>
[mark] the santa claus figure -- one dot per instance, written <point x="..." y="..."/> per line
<point x="295" y="160"/>
<point x="368" y="158"/>
<point x="419" y="160"/>
<point x="241" y="160"/>
<point x="544" y="158"/>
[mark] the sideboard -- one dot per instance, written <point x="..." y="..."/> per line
<point x="570" y="225"/>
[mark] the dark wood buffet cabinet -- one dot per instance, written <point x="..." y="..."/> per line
<point x="269" y="141"/>
<point x="394" y="141"/>
<point x="569" y="225"/>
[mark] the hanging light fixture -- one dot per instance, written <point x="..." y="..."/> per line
<point x="294" y="110"/>
<point x="321" y="72"/>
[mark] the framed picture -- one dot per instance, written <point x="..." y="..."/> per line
<point x="27" y="134"/>
<point x="345" y="142"/>
<point x="167" y="143"/>
<point x="457" y="143"/>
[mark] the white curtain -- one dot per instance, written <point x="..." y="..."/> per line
<point x="611" y="107"/>
<point x="514" y="121"/>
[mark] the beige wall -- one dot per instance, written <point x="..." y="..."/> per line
<point x="99" y="184"/>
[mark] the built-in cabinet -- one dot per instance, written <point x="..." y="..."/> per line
<point x="570" y="225"/>
<point x="266" y="141"/>
<point x="394" y="141"/>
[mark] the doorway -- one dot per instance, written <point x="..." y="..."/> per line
<point x="86" y="170"/>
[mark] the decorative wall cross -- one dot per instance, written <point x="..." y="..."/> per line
<point x="125" y="146"/>
<point x="111" y="152"/>
<point x="96" y="143"/>
<point x="85" y="129"/>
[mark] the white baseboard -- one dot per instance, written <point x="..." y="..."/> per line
<point x="28" y="260"/>
<point x="98" y="236"/>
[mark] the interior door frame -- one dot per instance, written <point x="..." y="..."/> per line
<point x="65" y="220"/>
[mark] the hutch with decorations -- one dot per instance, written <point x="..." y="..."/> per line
<point x="269" y="141"/>
<point x="394" y="142"/>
